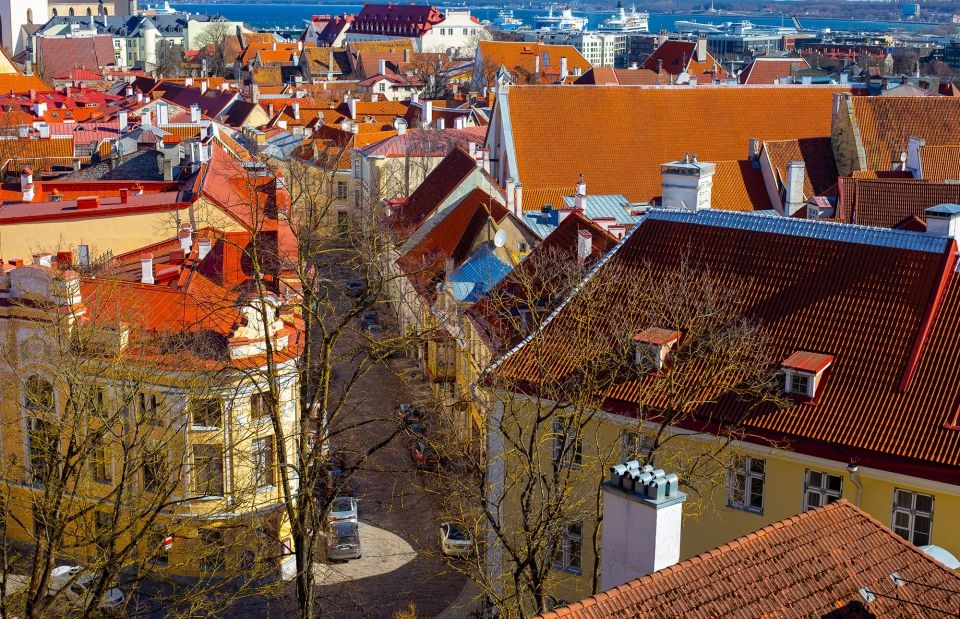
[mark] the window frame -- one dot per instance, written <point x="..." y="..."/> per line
<point x="823" y="490"/>
<point x="148" y="405"/>
<point x="637" y="439"/>
<point x="152" y="461"/>
<point x="204" y="464"/>
<point x="101" y="468"/>
<point x="262" y="469"/>
<point x="561" y="427"/>
<point x="341" y="190"/>
<point x="743" y="468"/>
<point x="565" y="556"/>
<point x="35" y="426"/>
<point x="912" y="513"/>
<point x="256" y="410"/>
<point x="194" y="402"/>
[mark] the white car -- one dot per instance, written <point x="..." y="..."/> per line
<point x="454" y="541"/>
<point x="343" y="509"/>
<point x="75" y="582"/>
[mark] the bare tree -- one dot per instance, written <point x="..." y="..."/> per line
<point x="169" y="59"/>
<point x="213" y="44"/>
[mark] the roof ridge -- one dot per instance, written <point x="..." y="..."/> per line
<point x="810" y="228"/>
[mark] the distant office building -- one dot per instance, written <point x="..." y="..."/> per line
<point x="601" y="49"/>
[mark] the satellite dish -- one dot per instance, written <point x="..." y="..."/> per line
<point x="500" y="238"/>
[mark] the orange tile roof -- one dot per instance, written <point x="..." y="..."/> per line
<point x="254" y="48"/>
<point x="267" y="76"/>
<point x="765" y="70"/>
<point x="434" y="189"/>
<point x="811" y="565"/>
<point x="738" y="186"/>
<point x="887" y="203"/>
<point x="676" y="57"/>
<point x="940" y="163"/>
<point x="512" y="55"/>
<point x="598" y="131"/>
<point x="820" y="167"/>
<point x="607" y="76"/>
<point x="887" y="123"/>
<point x="885" y="303"/>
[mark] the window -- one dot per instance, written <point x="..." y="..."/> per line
<point x="102" y="464"/>
<point x="38" y="395"/>
<point x="635" y="445"/>
<point x="208" y="470"/>
<point x="343" y="221"/>
<point x="261" y="405"/>
<point x="356" y="198"/>
<point x="798" y="384"/>
<point x="820" y="489"/>
<point x="148" y="406"/>
<point x="43" y="446"/>
<point x="356" y="168"/>
<point x="103" y="531"/>
<point x="341" y="190"/>
<point x="207" y="412"/>
<point x="746" y="484"/>
<point x="568" y="550"/>
<point x="913" y="516"/>
<point x="465" y="32"/>
<point x="211" y="549"/>
<point x="263" y="462"/>
<point x="155" y="472"/>
<point x="382" y="87"/>
<point x="3" y="511"/>
<point x="567" y="446"/>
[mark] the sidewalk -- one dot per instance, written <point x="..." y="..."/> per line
<point x="466" y="605"/>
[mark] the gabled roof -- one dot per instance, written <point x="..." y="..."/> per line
<point x="608" y="76"/>
<point x="545" y="221"/>
<point x="768" y="70"/>
<point x="402" y="20"/>
<point x="889" y="202"/>
<point x="522" y="55"/>
<point x="940" y="163"/>
<point x="212" y="103"/>
<point x="820" y="167"/>
<point x="425" y="143"/>
<point x="318" y="60"/>
<point x="738" y="186"/>
<point x="676" y="57"/>
<point x="887" y="123"/>
<point x="813" y="564"/>
<point x="58" y="55"/>
<point x="885" y="303"/>
<point x="599" y="132"/>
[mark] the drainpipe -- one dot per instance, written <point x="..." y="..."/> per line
<point x="852" y="469"/>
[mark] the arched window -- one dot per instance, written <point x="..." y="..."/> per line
<point x="38" y="395"/>
<point x="29" y="16"/>
<point x="54" y="12"/>
<point x="89" y="11"/>
<point x="71" y="12"/>
<point x="106" y="11"/>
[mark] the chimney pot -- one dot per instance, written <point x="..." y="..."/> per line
<point x="124" y="195"/>
<point x="584" y="246"/>
<point x="204" y="245"/>
<point x="943" y="220"/>
<point x="509" y="192"/>
<point x="146" y="269"/>
<point x="518" y="200"/>
<point x="45" y="260"/>
<point x="793" y="194"/>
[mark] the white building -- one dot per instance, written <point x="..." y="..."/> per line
<point x="14" y="15"/>
<point x="430" y="29"/>
<point x="601" y="49"/>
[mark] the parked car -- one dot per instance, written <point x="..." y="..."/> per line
<point x="370" y="316"/>
<point x="416" y="429"/>
<point x="409" y="414"/>
<point x="343" y="509"/>
<point x="343" y="542"/>
<point x="78" y="591"/>
<point x="454" y="541"/>
<point x="356" y="288"/>
<point x="372" y="329"/>
<point x="423" y="455"/>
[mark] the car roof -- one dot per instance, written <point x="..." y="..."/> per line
<point x="345" y="528"/>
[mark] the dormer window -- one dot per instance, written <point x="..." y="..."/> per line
<point x="652" y="345"/>
<point x="803" y="372"/>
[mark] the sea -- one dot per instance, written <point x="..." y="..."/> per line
<point x="268" y="16"/>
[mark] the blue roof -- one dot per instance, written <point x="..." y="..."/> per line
<point x="810" y="228"/>
<point x="615" y="206"/>
<point x="481" y="272"/>
<point x="944" y="209"/>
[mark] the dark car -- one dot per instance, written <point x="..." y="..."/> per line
<point x="343" y="542"/>
<point x="356" y="288"/>
<point x="423" y="455"/>
<point x="409" y="414"/>
<point x="416" y="428"/>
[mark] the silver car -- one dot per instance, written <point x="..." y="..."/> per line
<point x="343" y="542"/>
<point x="454" y="541"/>
<point x="343" y="509"/>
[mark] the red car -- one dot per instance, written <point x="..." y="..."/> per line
<point x="423" y="455"/>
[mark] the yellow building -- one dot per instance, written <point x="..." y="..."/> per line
<point x="775" y="365"/>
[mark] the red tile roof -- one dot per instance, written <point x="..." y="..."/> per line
<point x="811" y="565"/>
<point x="885" y="303"/>
<point x="887" y="123"/>
<point x="887" y="203"/>
<point x="940" y="163"/>
<point x="400" y="20"/>
<point x="521" y="55"/>
<point x="676" y="57"/>
<point x="607" y="76"/>
<point x="738" y="186"/>
<point x="765" y="70"/>
<point x="820" y="167"/>
<point x="598" y="131"/>
<point x="808" y="361"/>
<point x="58" y="55"/>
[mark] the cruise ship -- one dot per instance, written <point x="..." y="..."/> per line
<point x="506" y="21"/>
<point x="622" y="21"/>
<point x="565" y="20"/>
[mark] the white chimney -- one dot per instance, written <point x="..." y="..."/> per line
<point x="188" y="81"/>
<point x="43" y="129"/>
<point x="400" y="125"/>
<point x="27" y="188"/>
<point x="687" y="184"/>
<point x="122" y="120"/>
<point x="186" y="238"/>
<point x="509" y="191"/>
<point x="563" y="68"/>
<point x="139" y="97"/>
<point x="44" y="260"/>
<point x="580" y="198"/>
<point x="382" y="68"/>
<point x="129" y="91"/>
<point x="194" y="113"/>
<point x="584" y="246"/>
<point x="352" y="107"/>
<point x="459" y="122"/>
<point x="642" y="510"/>
<point x="40" y="108"/>
<point x="793" y="198"/>
<point x="913" y="156"/>
<point x="441" y="124"/>
<point x="536" y="65"/>
<point x="518" y="200"/>
<point x="296" y="109"/>
<point x="415" y="97"/>
<point x="702" y="48"/>
<point x="944" y="220"/>
<point x="203" y="86"/>
<point x="145" y="119"/>
<point x="282" y="124"/>
<point x="204" y="246"/>
<point x="146" y="269"/>
<point x="427" y="113"/>
<point x="299" y="46"/>
<point x="163" y="113"/>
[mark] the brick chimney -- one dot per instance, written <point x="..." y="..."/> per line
<point x="642" y="510"/>
<point x="146" y="269"/>
<point x="793" y="188"/>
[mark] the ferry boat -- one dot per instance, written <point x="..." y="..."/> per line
<point x="506" y="21"/>
<point x="622" y="21"/>
<point x="565" y="20"/>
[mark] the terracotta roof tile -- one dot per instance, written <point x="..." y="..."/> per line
<point x="820" y="167"/>
<point x="512" y="55"/>
<point x="887" y="123"/>
<point x="738" y="186"/>
<point x="887" y="203"/>
<point x="676" y="57"/>
<point x="814" y="564"/>
<point x="885" y="303"/>
<point x="623" y="150"/>
<point x="940" y="163"/>
<point x="768" y="70"/>
<point x="608" y="76"/>
<point x="441" y="181"/>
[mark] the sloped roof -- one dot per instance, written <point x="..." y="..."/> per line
<point x="676" y="57"/>
<point x="608" y="76"/>
<point x="940" y="163"/>
<point x="425" y="143"/>
<point x="404" y="20"/>
<point x="887" y="123"/>
<point x="820" y="167"/>
<point x="738" y="186"/>
<point x="764" y="70"/>
<point x="317" y="59"/>
<point x="57" y="55"/>
<point x="885" y="303"/>
<point x="512" y="55"/>
<point x="813" y="564"/>
<point x="887" y="203"/>
<point x="599" y="132"/>
<point x="212" y="103"/>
